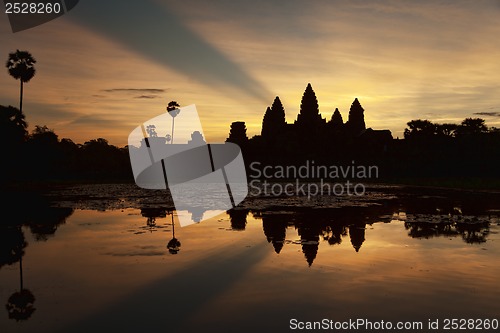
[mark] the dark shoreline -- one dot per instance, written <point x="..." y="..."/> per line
<point x="470" y="184"/>
<point x="110" y="196"/>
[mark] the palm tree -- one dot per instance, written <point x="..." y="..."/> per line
<point x="21" y="67"/>
<point x="173" y="110"/>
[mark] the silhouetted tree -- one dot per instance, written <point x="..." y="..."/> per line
<point x="418" y="129"/>
<point x="44" y="135"/>
<point x="100" y="160"/>
<point x="13" y="133"/>
<point x="172" y="105"/>
<point x="151" y="130"/>
<point x="446" y="130"/>
<point x="21" y="66"/>
<point x="69" y="163"/>
<point x="12" y="126"/>
<point x="43" y="146"/>
<point x="472" y="126"/>
<point x="356" y="122"/>
<point x="196" y="139"/>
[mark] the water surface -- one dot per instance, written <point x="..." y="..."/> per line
<point x="106" y="264"/>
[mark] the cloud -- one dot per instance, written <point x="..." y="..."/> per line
<point x="154" y="32"/>
<point x="403" y="60"/>
<point x="135" y="90"/>
<point x="488" y="114"/>
<point x="41" y="113"/>
<point x="95" y="120"/>
<point x="141" y="93"/>
<point x="147" y="96"/>
<point x="151" y="253"/>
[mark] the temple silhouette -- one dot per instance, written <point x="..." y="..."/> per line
<point x="311" y="136"/>
<point x="454" y="155"/>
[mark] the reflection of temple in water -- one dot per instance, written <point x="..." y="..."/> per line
<point x="196" y="213"/>
<point x="238" y="218"/>
<point x="357" y="235"/>
<point x="329" y="225"/>
<point x="309" y="240"/>
<point x="275" y="230"/>
<point x="332" y="225"/>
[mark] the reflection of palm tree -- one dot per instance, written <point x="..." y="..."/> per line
<point x="173" y="110"/>
<point x="20" y="304"/>
<point x="21" y="67"/>
<point x="173" y="245"/>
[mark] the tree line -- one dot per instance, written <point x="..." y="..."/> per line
<point x="42" y="156"/>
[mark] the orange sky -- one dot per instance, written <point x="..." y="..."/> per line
<point x="103" y="69"/>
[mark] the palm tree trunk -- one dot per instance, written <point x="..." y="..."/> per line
<point x="173" y="122"/>
<point x="21" y="272"/>
<point x="173" y="225"/>
<point x="21" y="97"/>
